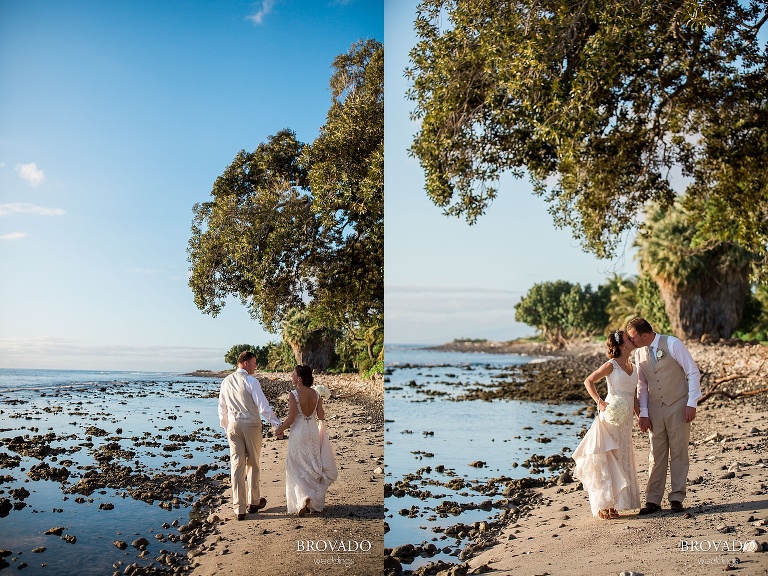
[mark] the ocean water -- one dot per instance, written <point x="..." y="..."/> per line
<point x="425" y="427"/>
<point x="132" y="408"/>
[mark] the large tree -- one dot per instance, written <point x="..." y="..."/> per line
<point x="295" y="226"/>
<point x="597" y="101"/>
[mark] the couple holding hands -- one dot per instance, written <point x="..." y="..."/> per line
<point x="662" y="388"/>
<point x="309" y="464"/>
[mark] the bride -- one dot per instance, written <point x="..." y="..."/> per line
<point x="309" y="465"/>
<point x="605" y="458"/>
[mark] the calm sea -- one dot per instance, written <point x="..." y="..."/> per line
<point x="129" y="406"/>
<point x="425" y="426"/>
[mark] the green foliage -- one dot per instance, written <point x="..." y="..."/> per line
<point x="261" y="353"/>
<point x="280" y="357"/>
<point x="377" y="368"/>
<point x="293" y="225"/>
<point x="650" y="305"/>
<point x="561" y="310"/>
<point x="622" y="306"/>
<point x="596" y="103"/>
<point x="301" y="328"/>
<point x="754" y="319"/>
<point x="362" y="348"/>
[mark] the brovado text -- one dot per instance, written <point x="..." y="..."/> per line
<point x="334" y="546"/>
<point x="717" y="546"/>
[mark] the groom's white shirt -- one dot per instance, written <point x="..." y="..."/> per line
<point x="229" y="404"/>
<point x="680" y="353"/>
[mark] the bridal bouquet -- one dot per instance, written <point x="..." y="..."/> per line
<point x="617" y="411"/>
<point x="324" y="391"/>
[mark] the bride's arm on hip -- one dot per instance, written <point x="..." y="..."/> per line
<point x="595" y="377"/>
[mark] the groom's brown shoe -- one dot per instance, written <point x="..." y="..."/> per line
<point x="253" y="508"/>
<point x="650" y="508"/>
<point x="676" y="506"/>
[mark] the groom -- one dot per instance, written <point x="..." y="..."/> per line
<point x="241" y="402"/>
<point x="668" y="390"/>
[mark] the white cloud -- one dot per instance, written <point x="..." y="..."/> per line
<point x="266" y="8"/>
<point x="31" y="173"/>
<point x="13" y="236"/>
<point x="20" y="208"/>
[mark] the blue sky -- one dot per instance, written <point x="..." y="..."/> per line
<point x="445" y="279"/>
<point x="116" y="119"/>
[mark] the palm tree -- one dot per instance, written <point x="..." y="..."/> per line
<point x="703" y="285"/>
<point x="312" y="344"/>
<point x="623" y="305"/>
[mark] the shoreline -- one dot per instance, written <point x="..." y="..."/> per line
<point x="727" y="434"/>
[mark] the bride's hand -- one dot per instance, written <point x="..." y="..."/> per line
<point x="601" y="405"/>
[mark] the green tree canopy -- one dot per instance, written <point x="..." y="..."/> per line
<point x="597" y="102"/>
<point x="562" y="310"/>
<point x="233" y="354"/>
<point x="292" y="225"/>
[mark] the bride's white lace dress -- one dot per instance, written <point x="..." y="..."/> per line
<point x="309" y="465"/>
<point x="605" y="458"/>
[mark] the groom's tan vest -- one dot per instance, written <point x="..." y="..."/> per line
<point x="666" y="379"/>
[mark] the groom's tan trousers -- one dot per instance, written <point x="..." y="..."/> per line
<point x="244" y="455"/>
<point x="669" y="448"/>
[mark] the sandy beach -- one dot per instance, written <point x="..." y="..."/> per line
<point x="273" y="542"/>
<point x="552" y="531"/>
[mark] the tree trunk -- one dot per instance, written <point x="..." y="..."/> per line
<point x="709" y="309"/>
<point x="317" y="353"/>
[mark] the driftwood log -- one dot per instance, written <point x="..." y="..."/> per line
<point x="713" y="389"/>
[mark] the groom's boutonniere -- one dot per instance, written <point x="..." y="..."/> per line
<point x="659" y="353"/>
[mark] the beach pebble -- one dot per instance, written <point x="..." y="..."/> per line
<point x="723" y="529"/>
<point x="139" y="542"/>
<point x="55" y="531"/>
<point x="630" y="573"/>
<point x="752" y="546"/>
<point x="477" y="464"/>
<point x="213" y="519"/>
<point x="39" y="550"/>
<point x="728" y="476"/>
<point x="120" y="545"/>
<point x="71" y="538"/>
<point x="378" y="470"/>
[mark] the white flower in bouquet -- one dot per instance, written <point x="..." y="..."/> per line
<point x="617" y="411"/>
<point x="324" y="391"/>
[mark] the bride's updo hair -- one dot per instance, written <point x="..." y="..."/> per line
<point x="305" y="373"/>
<point x="614" y="342"/>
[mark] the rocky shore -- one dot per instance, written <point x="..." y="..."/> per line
<point x="152" y="450"/>
<point x="544" y="526"/>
